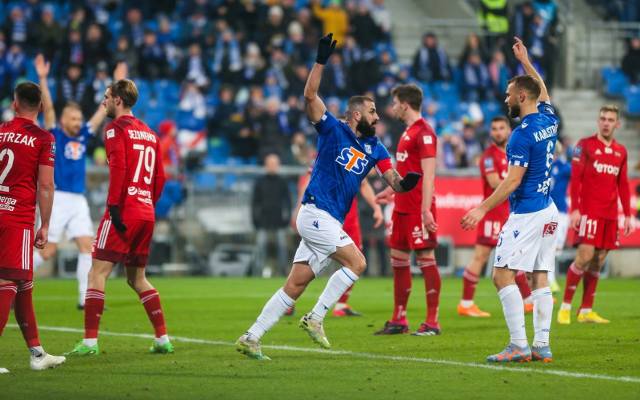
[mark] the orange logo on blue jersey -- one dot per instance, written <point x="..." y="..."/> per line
<point x="353" y="160"/>
<point x="74" y="150"/>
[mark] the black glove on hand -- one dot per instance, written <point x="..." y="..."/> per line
<point x="326" y="46"/>
<point x="116" y="220"/>
<point x="410" y="180"/>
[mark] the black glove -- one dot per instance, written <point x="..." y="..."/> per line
<point x="326" y="46"/>
<point x="410" y="180"/>
<point x="116" y="220"/>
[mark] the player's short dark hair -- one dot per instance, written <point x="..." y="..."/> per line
<point x="357" y="101"/>
<point x="611" y="108"/>
<point x="126" y="90"/>
<point x="499" y="118"/>
<point x="72" y="105"/>
<point x="529" y="84"/>
<point x="409" y="93"/>
<point x="28" y="95"/>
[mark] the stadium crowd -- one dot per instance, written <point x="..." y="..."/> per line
<point x="223" y="79"/>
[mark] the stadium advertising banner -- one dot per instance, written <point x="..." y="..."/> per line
<point x="456" y="195"/>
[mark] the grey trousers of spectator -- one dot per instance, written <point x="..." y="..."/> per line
<point x="262" y="240"/>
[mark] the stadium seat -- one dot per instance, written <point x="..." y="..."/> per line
<point x="167" y="90"/>
<point x="186" y="120"/>
<point x="218" y="151"/>
<point x="614" y="82"/>
<point x="632" y="97"/>
<point x="204" y="182"/>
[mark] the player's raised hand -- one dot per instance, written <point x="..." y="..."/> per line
<point x="378" y="217"/>
<point x="42" y="66"/>
<point x="472" y="218"/>
<point x="121" y="71"/>
<point x="520" y="50"/>
<point x="42" y="237"/>
<point x="386" y="196"/>
<point x="326" y="46"/>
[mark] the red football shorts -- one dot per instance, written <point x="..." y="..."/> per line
<point x="16" y="253"/>
<point x="409" y="233"/>
<point x="489" y="230"/>
<point x="598" y="232"/>
<point x="130" y="248"/>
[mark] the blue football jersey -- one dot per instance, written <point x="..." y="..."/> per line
<point x="560" y="176"/>
<point x="343" y="161"/>
<point x="69" y="172"/>
<point x="531" y="146"/>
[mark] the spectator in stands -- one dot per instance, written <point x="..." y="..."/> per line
<point x="273" y="130"/>
<point x="46" y="34"/>
<point x="16" y="63"/>
<point x="297" y="80"/>
<point x="224" y="122"/>
<point x="274" y="30"/>
<point x="194" y="66"/>
<point x="295" y="46"/>
<point x="95" y="47"/>
<point x="73" y="52"/>
<point x="361" y="65"/>
<point x="548" y="11"/>
<point x="99" y="84"/>
<point x="73" y="88"/>
<point x="335" y="78"/>
<point x="78" y="20"/>
<point x="431" y="63"/>
<point x="522" y="21"/>
<point x="382" y="18"/>
<point x="473" y="45"/>
<point x="311" y="27"/>
<point x="134" y="28"/>
<point x="280" y="68"/>
<point x="227" y="60"/>
<point x="472" y="145"/>
<point x="15" y="28"/>
<point x="170" y="157"/>
<point x="494" y="19"/>
<point x="154" y="60"/>
<point x="363" y="27"/>
<point x="254" y="66"/>
<point x="127" y="54"/>
<point x="270" y="211"/>
<point x="476" y="79"/>
<point x="631" y="61"/>
<point x="192" y="100"/>
<point x="498" y="73"/>
<point x="334" y="19"/>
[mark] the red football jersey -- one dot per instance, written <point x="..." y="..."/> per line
<point x="598" y="178"/>
<point x="136" y="174"/>
<point x="23" y="148"/>
<point x="417" y="142"/>
<point x="494" y="159"/>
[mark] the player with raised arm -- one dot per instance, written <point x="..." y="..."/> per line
<point x="526" y="241"/>
<point x="413" y="222"/>
<point x="70" y="212"/>
<point x="27" y="155"/>
<point x="136" y="179"/>
<point x="347" y="151"/>
<point x="598" y="180"/>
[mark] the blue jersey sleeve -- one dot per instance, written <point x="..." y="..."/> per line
<point x="381" y="152"/>
<point x="545" y="107"/>
<point x="86" y="130"/>
<point x="518" y="149"/>
<point x="326" y="124"/>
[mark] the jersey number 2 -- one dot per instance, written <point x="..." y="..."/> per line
<point x="8" y="153"/>
<point x="146" y="157"/>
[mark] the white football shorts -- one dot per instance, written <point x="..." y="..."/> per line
<point x="70" y="215"/>
<point x="321" y="236"/>
<point x="563" y="229"/>
<point x="527" y="241"/>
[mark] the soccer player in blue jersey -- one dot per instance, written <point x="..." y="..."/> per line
<point x="347" y="151"/>
<point x="527" y="240"/>
<point x="70" y="212"/>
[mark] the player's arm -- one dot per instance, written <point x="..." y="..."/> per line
<point x="45" y="203"/>
<point x="370" y="197"/>
<point x="398" y="183"/>
<point x="116" y="156"/>
<point x="575" y="184"/>
<point x="160" y="177"/>
<point x="42" y="69"/>
<point x="521" y="53"/>
<point x="625" y="197"/>
<point x="510" y="183"/>
<point x="428" y="166"/>
<point x="493" y="179"/>
<point x="120" y="72"/>
<point x="314" y="106"/>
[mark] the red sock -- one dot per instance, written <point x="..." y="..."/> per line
<point x="7" y="294"/>
<point x="401" y="289"/>
<point x="93" y="308"/>
<point x="573" y="279"/>
<point x="151" y="302"/>
<point x="345" y="296"/>
<point x="469" y="283"/>
<point x="432" y="285"/>
<point x="523" y="284"/>
<point x="590" y="283"/>
<point x="25" y="315"/>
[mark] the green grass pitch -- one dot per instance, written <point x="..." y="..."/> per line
<point x="590" y="361"/>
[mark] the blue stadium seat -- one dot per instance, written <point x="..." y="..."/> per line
<point x="186" y="120"/>
<point x="167" y="89"/>
<point x="632" y="97"/>
<point x="490" y="109"/>
<point x="204" y="182"/>
<point x="615" y="81"/>
<point x="218" y="151"/>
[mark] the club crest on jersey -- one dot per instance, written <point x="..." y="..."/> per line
<point x="549" y="229"/>
<point x="111" y="133"/>
<point x="367" y="148"/>
<point x="74" y="151"/>
<point x="352" y="160"/>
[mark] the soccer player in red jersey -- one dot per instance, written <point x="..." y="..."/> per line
<point x="124" y="235"/>
<point x="351" y="226"/>
<point x="27" y="156"/>
<point x="413" y="221"/>
<point x="598" y="179"/>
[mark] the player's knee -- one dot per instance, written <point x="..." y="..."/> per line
<point x="359" y="265"/>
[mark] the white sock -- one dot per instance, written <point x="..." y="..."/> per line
<point x="338" y="283"/>
<point x="528" y="300"/>
<point x="340" y="306"/>
<point x="36" y="351"/>
<point x="90" y="342"/>
<point x="551" y="275"/>
<point x="565" y="306"/>
<point x="164" y="339"/>
<point x="466" y="303"/>
<point x="542" y="312"/>
<point x="82" y="273"/>
<point x="513" y="309"/>
<point x="275" y="308"/>
<point x="37" y="260"/>
<point x="585" y="310"/>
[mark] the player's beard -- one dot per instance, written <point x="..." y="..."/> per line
<point x="500" y="143"/>
<point x="366" y="128"/>
<point x="514" y="111"/>
<point x="111" y="113"/>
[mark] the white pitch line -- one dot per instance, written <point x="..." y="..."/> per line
<point x="370" y="356"/>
